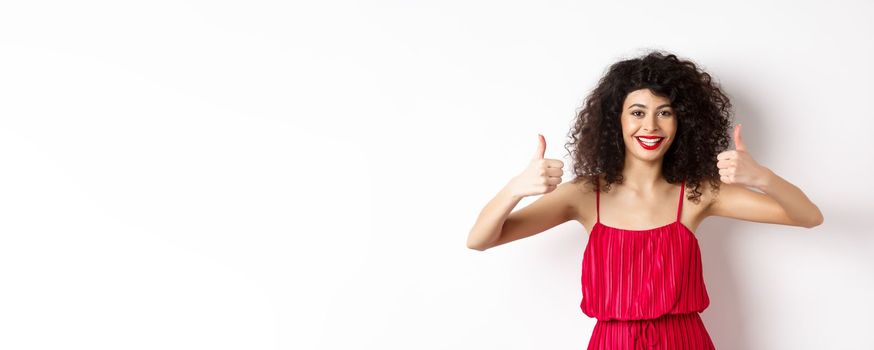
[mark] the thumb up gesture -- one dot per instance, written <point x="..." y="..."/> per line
<point x="737" y="166"/>
<point x="541" y="176"/>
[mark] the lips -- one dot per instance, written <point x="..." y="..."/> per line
<point x="651" y="142"/>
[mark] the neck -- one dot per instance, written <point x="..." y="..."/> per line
<point x="642" y="175"/>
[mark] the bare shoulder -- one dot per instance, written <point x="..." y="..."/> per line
<point x="694" y="211"/>
<point x="581" y="198"/>
<point x="709" y="194"/>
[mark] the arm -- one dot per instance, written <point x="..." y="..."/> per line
<point x="497" y="225"/>
<point x="781" y="203"/>
<point x="796" y="206"/>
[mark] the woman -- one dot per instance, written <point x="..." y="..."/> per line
<point x="656" y="127"/>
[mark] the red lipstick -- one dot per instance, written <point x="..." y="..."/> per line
<point x="658" y="141"/>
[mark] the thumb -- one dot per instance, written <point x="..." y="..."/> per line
<point x="541" y="147"/>
<point x="738" y="140"/>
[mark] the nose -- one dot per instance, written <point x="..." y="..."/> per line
<point x="649" y="124"/>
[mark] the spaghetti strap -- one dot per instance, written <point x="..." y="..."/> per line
<point x="598" y="201"/>
<point x="680" y="204"/>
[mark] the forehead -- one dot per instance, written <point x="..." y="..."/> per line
<point x="646" y="97"/>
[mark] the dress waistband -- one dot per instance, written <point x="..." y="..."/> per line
<point x="644" y="335"/>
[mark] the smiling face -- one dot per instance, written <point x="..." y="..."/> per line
<point x="645" y="114"/>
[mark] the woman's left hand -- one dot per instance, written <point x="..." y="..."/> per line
<point x="738" y="167"/>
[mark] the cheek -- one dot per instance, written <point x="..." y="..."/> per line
<point x="630" y="126"/>
<point x="670" y="127"/>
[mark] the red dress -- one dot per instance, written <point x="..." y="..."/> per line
<point x="645" y="287"/>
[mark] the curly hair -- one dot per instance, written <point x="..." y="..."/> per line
<point x="703" y="119"/>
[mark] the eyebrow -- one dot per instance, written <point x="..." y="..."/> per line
<point x="644" y="106"/>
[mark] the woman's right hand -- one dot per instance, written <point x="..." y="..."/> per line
<point x="542" y="175"/>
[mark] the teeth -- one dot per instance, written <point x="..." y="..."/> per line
<point x="650" y="143"/>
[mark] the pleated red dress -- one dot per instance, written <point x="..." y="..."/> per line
<point x="645" y="287"/>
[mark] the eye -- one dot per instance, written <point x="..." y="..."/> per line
<point x="634" y="113"/>
<point x="667" y="112"/>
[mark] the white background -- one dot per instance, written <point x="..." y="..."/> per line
<point x="275" y="175"/>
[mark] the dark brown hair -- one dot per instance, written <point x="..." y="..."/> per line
<point x="703" y="114"/>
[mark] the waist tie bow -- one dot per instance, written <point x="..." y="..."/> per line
<point x="644" y="334"/>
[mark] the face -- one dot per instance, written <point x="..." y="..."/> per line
<point x="645" y="114"/>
